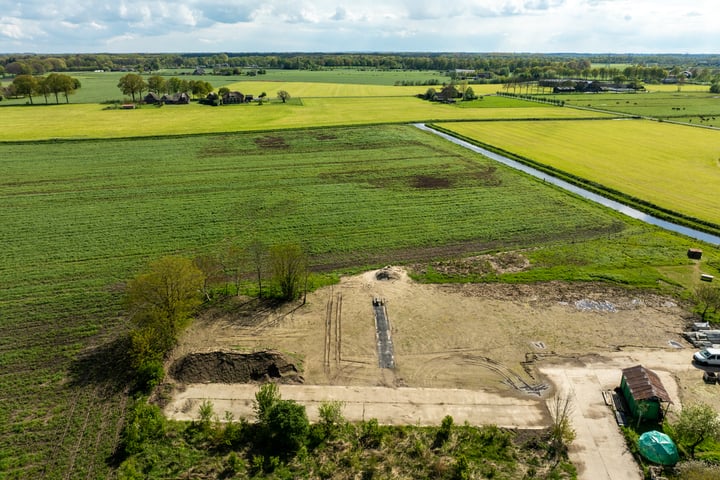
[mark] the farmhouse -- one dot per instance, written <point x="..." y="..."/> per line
<point x="233" y="97"/>
<point x="176" y="98"/>
<point x="448" y="94"/>
<point x="152" y="98"/>
<point x="644" y="393"/>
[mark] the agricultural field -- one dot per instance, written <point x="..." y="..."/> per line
<point x="101" y="87"/>
<point x="82" y="217"/>
<point x="95" y="121"/>
<point x="354" y="76"/>
<point x="696" y="108"/>
<point x="643" y="159"/>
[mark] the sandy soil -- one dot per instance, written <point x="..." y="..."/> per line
<point x="444" y="336"/>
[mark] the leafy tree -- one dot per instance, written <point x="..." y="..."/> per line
<point x="707" y="298"/>
<point x="170" y="287"/>
<point x="160" y="302"/>
<point x="469" y="94"/>
<point x="222" y="91"/>
<point x="178" y="85"/>
<point x="715" y="87"/>
<point x="157" y="84"/>
<point x="430" y="94"/>
<point x="132" y="84"/>
<point x="68" y="85"/>
<point x="696" y="424"/>
<point x="44" y="88"/>
<point x="57" y="83"/>
<point x="26" y="85"/>
<point x="18" y="68"/>
<point x="200" y="88"/>
<point x="283" y="95"/>
<point x="288" y="264"/>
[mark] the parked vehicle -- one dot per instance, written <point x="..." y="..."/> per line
<point x="708" y="356"/>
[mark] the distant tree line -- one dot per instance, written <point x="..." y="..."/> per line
<point x="503" y="65"/>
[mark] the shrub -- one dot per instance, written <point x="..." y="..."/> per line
<point x="145" y="423"/>
<point x="288" y="426"/>
<point x="149" y="375"/>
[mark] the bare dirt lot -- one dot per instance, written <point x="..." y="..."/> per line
<point x="476" y="336"/>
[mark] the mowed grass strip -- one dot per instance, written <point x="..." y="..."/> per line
<point x="672" y="166"/>
<point x="93" y="121"/>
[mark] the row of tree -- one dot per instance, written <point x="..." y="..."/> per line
<point x="133" y="84"/>
<point x="52" y="84"/>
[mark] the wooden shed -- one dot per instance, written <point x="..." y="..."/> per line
<point x="644" y="392"/>
<point x="694" y="253"/>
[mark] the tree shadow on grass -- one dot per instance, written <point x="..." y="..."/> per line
<point x="106" y="366"/>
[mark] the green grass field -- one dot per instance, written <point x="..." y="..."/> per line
<point x="697" y="108"/>
<point x="93" y="121"/>
<point x="102" y="87"/>
<point x="672" y="166"/>
<point x="81" y="217"/>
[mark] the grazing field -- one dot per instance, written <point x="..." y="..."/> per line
<point x="700" y="108"/>
<point x="81" y="217"/>
<point x="673" y="166"/>
<point x="93" y="121"/>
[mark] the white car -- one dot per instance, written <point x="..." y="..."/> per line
<point x="708" y="356"/>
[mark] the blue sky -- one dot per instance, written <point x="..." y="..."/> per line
<point x="587" y="26"/>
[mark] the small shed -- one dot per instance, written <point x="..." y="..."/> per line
<point x="694" y="253"/>
<point x="644" y="392"/>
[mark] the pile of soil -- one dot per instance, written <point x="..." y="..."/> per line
<point x="233" y="367"/>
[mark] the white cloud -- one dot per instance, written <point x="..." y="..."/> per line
<point x="337" y="25"/>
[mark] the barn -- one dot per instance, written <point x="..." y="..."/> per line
<point x="644" y="393"/>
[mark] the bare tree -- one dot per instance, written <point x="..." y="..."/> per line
<point x="258" y="256"/>
<point x="232" y="259"/>
<point x="212" y="268"/>
<point x="288" y="264"/>
<point x="561" y="432"/>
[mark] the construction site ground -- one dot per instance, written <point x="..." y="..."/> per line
<point x="485" y="353"/>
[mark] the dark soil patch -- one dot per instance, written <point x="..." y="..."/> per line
<point x="426" y="181"/>
<point x="272" y="142"/>
<point x="325" y="136"/>
<point x="232" y="367"/>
